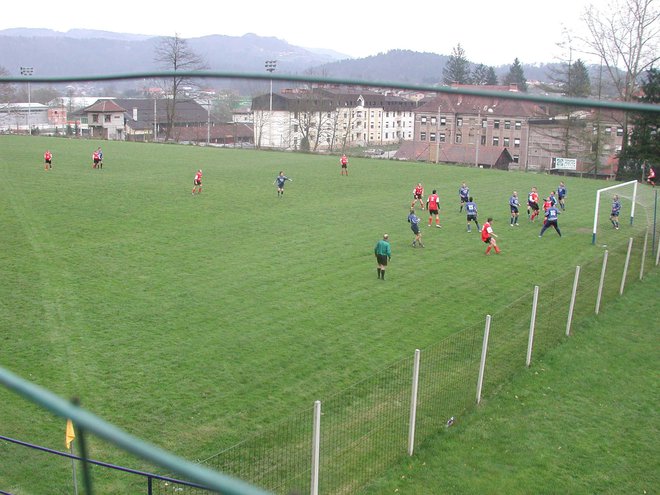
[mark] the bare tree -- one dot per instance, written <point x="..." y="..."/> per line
<point x="173" y="53"/>
<point x="6" y="90"/>
<point x="626" y="39"/>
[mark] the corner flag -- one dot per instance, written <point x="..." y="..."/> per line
<point x="70" y="434"/>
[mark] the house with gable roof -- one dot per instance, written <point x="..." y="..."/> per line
<point x="139" y="119"/>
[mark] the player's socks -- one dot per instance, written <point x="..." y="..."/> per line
<point x="488" y="250"/>
<point x="497" y="250"/>
<point x="378" y="272"/>
<point x="382" y="274"/>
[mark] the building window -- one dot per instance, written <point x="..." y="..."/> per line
<point x="496" y="124"/>
<point x="459" y="138"/>
<point x="516" y="142"/>
<point x="422" y="136"/>
<point x="443" y="137"/>
<point x="518" y="125"/>
<point x="443" y="121"/>
<point x="484" y="123"/>
<point x="483" y="139"/>
<point x="619" y="131"/>
<point x="496" y="141"/>
<point x="432" y="137"/>
<point x="434" y="121"/>
<point x="107" y="118"/>
<point x="505" y="141"/>
<point x="459" y="121"/>
<point x="95" y="118"/>
<point x="516" y="159"/>
<point x="423" y="119"/>
<point x="507" y="124"/>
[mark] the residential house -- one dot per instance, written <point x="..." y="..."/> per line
<point x="140" y="119"/>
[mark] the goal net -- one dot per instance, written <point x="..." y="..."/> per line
<point x="626" y="193"/>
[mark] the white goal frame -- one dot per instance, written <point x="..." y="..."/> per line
<point x="632" y="208"/>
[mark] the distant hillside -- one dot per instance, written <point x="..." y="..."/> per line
<point x="83" y="52"/>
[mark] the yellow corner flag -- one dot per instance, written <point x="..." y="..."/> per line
<point x="70" y="434"/>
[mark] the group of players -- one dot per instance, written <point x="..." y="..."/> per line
<point x="551" y="205"/>
<point x="97" y="159"/>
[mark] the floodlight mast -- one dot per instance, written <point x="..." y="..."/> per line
<point x="28" y="71"/>
<point x="271" y="65"/>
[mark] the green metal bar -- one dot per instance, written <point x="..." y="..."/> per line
<point x="577" y="102"/>
<point x="194" y="472"/>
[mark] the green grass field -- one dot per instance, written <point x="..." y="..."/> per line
<point x="194" y="322"/>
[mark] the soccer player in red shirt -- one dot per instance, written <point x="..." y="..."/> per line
<point x="433" y="205"/>
<point x="418" y="195"/>
<point x="197" y="182"/>
<point x="547" y="203"/>
<point x="343" y="161"/>
<point x="488" y="236"/>
<point x="48" y="160"/>
<point x="96" y="159"/>
<point x="533" y="204"/>
<point x="651" y="177"/>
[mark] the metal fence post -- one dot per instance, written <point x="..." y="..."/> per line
<point x="625" y="267"/>
<point x="413" y="403"/>
<point x="602" y="280"/>
<point x="641" y="267"/>
<point x="532" y="324"/>
<point x="316" y="448"/>
<point x="482" y="365"/>
<point x="571" y="306"/>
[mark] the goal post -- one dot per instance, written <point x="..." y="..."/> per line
<point x="632" y="208"/>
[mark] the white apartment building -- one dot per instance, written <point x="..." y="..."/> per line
<point x="331" y="119"/>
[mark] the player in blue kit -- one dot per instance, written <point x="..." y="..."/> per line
<point x="414" y="220"/>
<point x="463" y="195"/>
<point x="514" y="205"/>
<point x="614" y="214"/>
<point x="551" y="217"/>
<point x="280" y="180"/>
<point x="561" y="195"/>
<point x="471" y="211"/>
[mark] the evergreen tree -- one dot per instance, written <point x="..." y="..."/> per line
<point x="516" y="76"/>
<point x="644" y="147"/>
<point x="578" y="83"/>
<point x="484" y="76"/>
<point x="457" y="70"/>
<point x="491" y="77"/>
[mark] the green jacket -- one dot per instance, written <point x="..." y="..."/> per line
<point x="383" y="247"/>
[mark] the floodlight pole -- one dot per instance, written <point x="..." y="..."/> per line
<point x="478" y="139"/>
<point x="28" y="71"/>
<point x="208" y="121"/>
<point x="271" y="65"/>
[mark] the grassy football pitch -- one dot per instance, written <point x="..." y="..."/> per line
<point x="195" y="321"/>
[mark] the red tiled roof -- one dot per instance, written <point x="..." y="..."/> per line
<point x="104" y="106"/>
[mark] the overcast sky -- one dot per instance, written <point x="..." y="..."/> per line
<point x="490" y="32"/>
